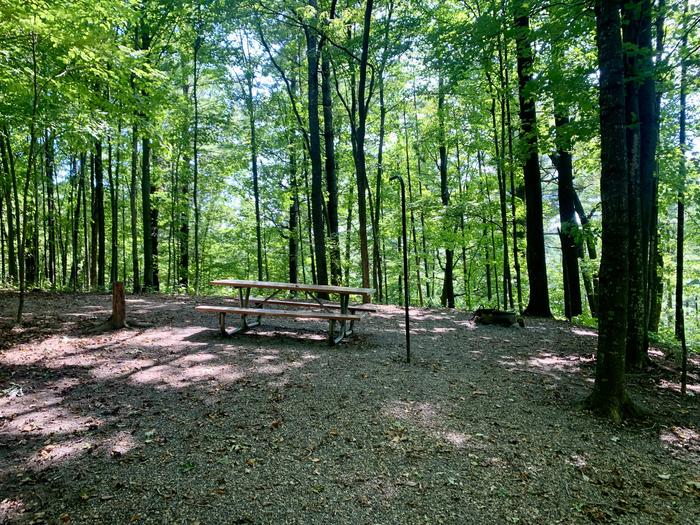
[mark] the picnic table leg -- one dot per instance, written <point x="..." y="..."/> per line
<point x="222" y="323"/>
<point x="332" y="338"/>
<point x="244" y="301"/>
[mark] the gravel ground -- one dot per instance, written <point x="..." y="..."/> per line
<point x="169" y="423"/>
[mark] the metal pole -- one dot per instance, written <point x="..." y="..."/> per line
<point x="406" y="291"/>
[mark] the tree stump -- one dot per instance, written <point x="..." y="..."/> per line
<point x="118" y="319"/>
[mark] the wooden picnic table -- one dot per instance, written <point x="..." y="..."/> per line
<point x="256" y="307"/>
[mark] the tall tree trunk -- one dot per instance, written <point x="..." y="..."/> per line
<point x="195" y="157"/>
<point x="113" y="177"/>
<point x="100" y="215"/>
<point x="649" y="133"/>
<point x="609" y="396"/>
<point x="146" y="214"/>
<point x="331" y="175"/>
<point x="348" y="236"/>
<point x="331" y="163"/>
<point x="515" y="192"/>
<point x="30" y="166"/>
<point x="567" y="215"/>
<point x="133" y="189"/>
<point x="683" y="143"/>
<point x="7" y="191"/>
<point x="448" y="292"/>
<point x="361" y="166"/>
<point x="538" y="303"/>
<point x="293" y="214"/>
<point x="93" y="225"/>
<point x="51" y="204"/>
<point x="309" y="220"/>
<point x="250" y="107"/>
<point x="655" y="283"/>
<point x="634" y="70"/>
<point x="76" y="222"/>
<point x="312" y="56"/>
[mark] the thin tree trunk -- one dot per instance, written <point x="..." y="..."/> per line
<point x="133" y="209"/>
<point x="77" y="191"/>
<point x="411" y="211"/>
<point x="195" y="157"/>
<point x="113" y="175"/>
<point x="331" y="167"/>
<point x="683" y="143"/>
<point x="513" y="190"/>
<point x="51" y="204"/>
<point x="448" y="292"/>
<point x="100" y="215"/>
<point x="293" y="214"/>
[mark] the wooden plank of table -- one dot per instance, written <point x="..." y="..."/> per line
<point x="313" y="288"/>
<point x="267" y="312"/>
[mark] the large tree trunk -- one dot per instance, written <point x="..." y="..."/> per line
<point x="567" y="217"/>
<point x="609" y="396"/>
<point x="635" y="70"/>
<point x="312" y="56"/>
<point x="538" y="304"/>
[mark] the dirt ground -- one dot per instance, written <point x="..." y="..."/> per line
<point x="169" y="423"/>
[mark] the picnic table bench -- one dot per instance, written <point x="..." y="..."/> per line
<point x="257" y="307"/>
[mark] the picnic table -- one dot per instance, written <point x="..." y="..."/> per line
<point x="341" y="313"/>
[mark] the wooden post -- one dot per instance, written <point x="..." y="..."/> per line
<point x="118" y="319"/>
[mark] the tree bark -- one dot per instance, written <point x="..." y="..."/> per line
<point x="609" y="396"/>
<point x="567" y="216"/>
<point x="51" y="205"/>
<point x="118" y="319"/>
<point x="331" y="167"/>
<point x="312" y="56"/>
<point x="359" y="129"/>
<point x="7" y="191"/>
<point x="448" y="292"/>
<point x="634" y="71"/>
<point x="133" y="189"/>
<point x="100" y="215"/>
<point x="538" y="304"/>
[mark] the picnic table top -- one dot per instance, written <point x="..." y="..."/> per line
<point x="313" y="288"/>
